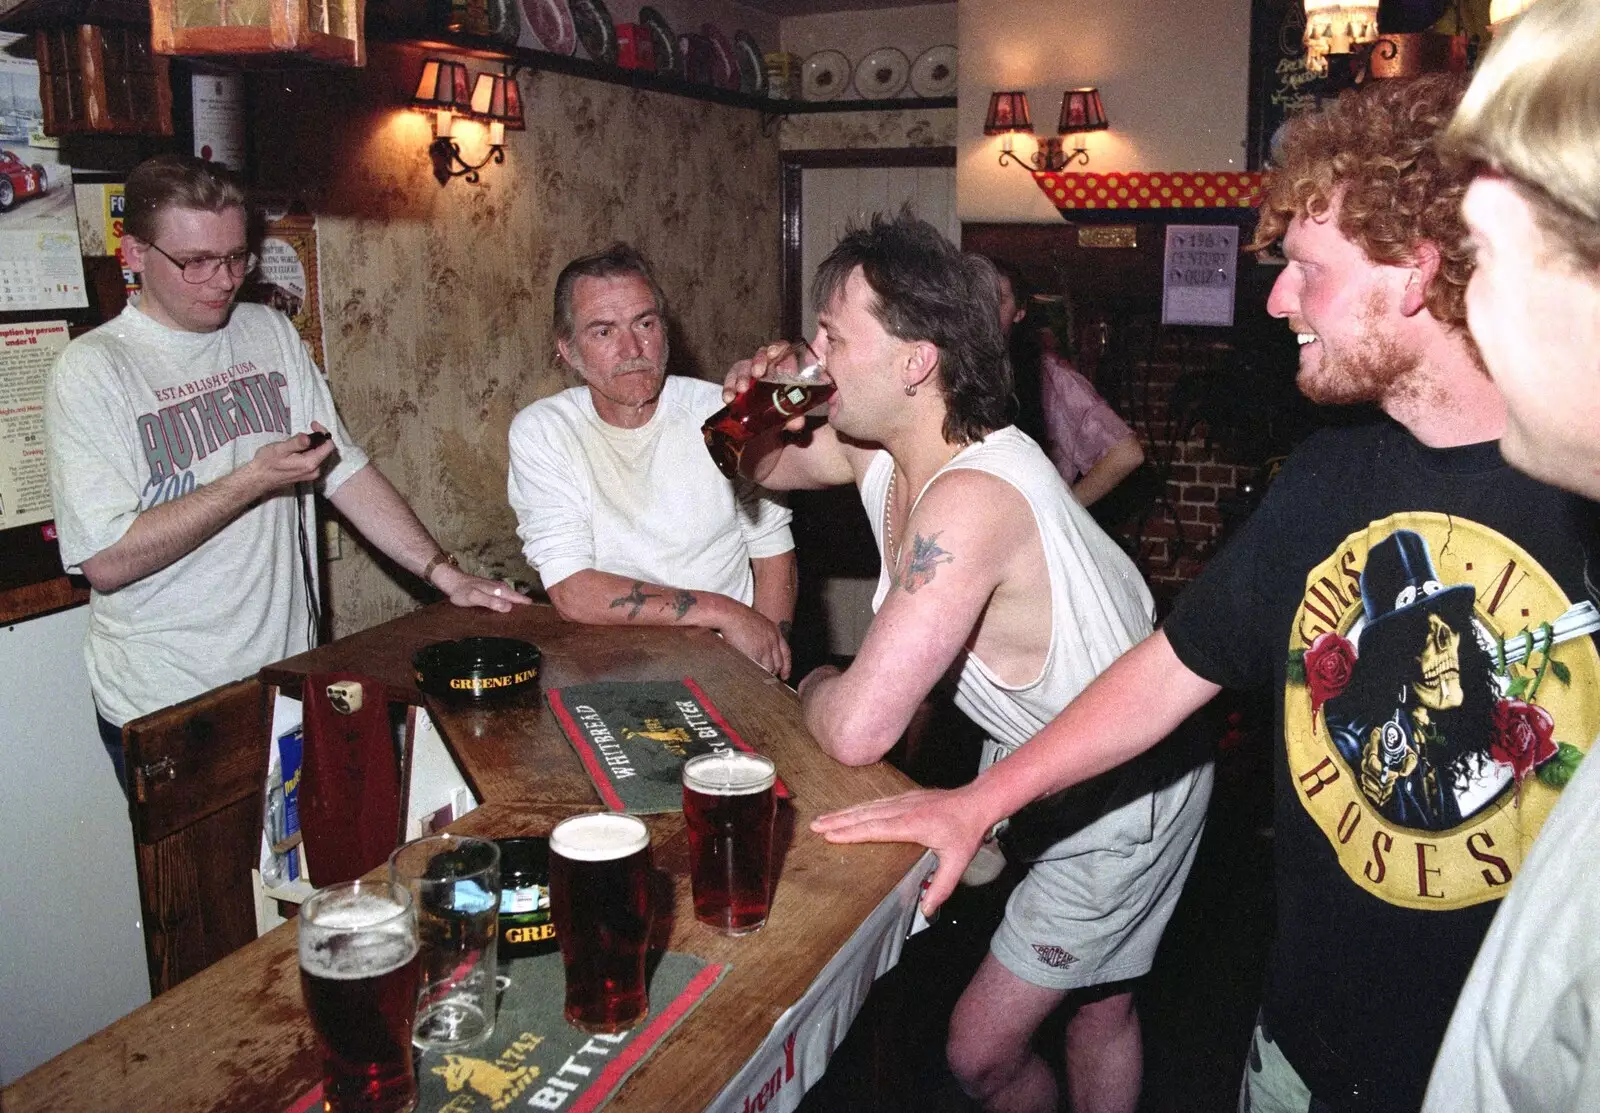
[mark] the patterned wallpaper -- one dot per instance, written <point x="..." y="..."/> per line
<point x="437" y="301"/>
<point x="902" y="128"/>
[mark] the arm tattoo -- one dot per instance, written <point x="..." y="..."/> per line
<point x="682" y="601"/>
<point x="635" y="599"/>
<point x="923" y="563"/>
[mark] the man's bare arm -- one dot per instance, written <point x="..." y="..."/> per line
<point x="386" y="520"/>
<point x="777" y="583"/>
<point x="604" y="599"/>
<point x="959" y="548"/>
<point x="1130" y="707"/>
<point x="174" y="529"/>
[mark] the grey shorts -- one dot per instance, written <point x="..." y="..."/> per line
<point x="1270" y="1083"/>
<point x="1094" y="909"/>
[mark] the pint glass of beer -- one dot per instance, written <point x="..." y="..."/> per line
<point x="358" y="974"/>
<point x="795" y="383"/>
<point x="730" y="807"/>
<point x="600" y="902"/>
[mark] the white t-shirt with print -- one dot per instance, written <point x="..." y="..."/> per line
<point x="138" y="414"/>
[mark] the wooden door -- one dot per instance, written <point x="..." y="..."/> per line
<point x="197" y="772"/>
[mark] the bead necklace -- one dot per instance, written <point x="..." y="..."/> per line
<point x="889" y="547"/>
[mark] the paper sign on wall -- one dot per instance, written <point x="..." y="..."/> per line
<point x="217" y="100"/>
<point x="27" y="352"/>
<point x="1198" y="274"/>
<point x="286" y="278"/>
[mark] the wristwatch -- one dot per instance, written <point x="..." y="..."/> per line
<point x="440" y="557"/>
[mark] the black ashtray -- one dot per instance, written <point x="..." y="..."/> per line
<point x="477" y="669"/>
<point x="525" y="924"/>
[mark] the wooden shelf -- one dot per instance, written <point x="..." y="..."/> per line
<point x="33" y="600"/>
<point x="473" y="47"/>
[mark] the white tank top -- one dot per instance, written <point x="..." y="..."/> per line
<point x="1099" y="605"/>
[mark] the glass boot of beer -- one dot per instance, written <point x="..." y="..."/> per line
<point x="359" y="977"/>
<point x="600" y="903"/>
<point x="793" y="385"/>
<point x="729" y="807"/>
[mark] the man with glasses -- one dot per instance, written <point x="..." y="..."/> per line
<point x="179" y="434"/>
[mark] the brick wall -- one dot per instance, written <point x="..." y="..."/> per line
<point x="1172" y="517"/>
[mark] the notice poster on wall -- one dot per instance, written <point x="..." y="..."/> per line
<point x="27" y="352"/>
<point x="217" y="100"/>
<point x="286" y="277"/>
<point x="40" y="264"/>
<point x="1198" y="274"/>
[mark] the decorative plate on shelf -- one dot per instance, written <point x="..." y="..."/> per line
<point x="752" y="66"/>
<point x="669" y="59"/>
<point x="724" y="69"/>
<point x="824" y="75"/>
<point x="697" y="64"/>
<point x="551" y="24"/>
<point x="933" y="74"/>
<point x="882" y="73"/>
<point x="595" y="30"/>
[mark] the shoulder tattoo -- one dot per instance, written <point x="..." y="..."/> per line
<point x="922" y="563"/>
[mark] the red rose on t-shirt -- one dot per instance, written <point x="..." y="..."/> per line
<point x="1329" y="662"/>
<point x="1522" y="736"/>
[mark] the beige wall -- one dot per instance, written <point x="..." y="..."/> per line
<point x="1173" y="75"/>
<point x="436" y="301"/>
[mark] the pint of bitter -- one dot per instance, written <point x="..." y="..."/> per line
<point x="795" y="383"/>
<point x="600" y="903"/>
<point x="359" y="976"/>
<point x="730" y="807"/>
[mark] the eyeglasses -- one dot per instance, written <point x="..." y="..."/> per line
<point x="202" y="268"/>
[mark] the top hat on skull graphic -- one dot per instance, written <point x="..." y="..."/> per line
<point x="1399" y="590"/>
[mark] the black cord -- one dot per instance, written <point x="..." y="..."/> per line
<point x="313" y="607"/>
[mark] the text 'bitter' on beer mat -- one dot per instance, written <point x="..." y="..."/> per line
<point x="536" y="1060"/>
<point x="634" y="737"/>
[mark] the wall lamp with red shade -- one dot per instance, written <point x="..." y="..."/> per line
<point x="1081" y="113"/>
<point x="495" y="100"/>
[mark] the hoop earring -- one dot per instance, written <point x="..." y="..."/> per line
<point x="911" y="391"/>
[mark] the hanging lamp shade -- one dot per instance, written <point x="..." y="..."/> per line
<point x="497" y="101"/>
<point x="1500" y="11"/>
<point x="496" y="97"/>
<point x="442" y="87"/>
<point x="1007" y="112"/>
<point x="1081" y="110"/>
<point x="1335" y="27"/>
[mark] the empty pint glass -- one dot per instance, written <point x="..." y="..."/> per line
<point x="358" y="974"/>
<point x="600" y="903"/>
<point x="795" y="383"/>
<point x="729" y="806"/>
<point x="454" y="882"/>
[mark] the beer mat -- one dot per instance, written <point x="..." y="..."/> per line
<point x="634" y="737"/>
<point x="535" y="1059"/>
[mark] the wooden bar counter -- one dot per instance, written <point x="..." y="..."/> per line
<point x="235" y="1037"/>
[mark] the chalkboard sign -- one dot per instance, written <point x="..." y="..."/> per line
<point x="1280" y="84"/>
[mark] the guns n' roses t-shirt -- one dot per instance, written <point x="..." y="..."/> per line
<point x="1422" y="612"/>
